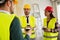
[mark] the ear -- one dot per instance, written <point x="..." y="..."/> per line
<point x="8" y="3"/>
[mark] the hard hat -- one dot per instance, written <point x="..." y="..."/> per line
<point x="15" y="1"/>
<point x="28" y="27"/>
<point x="49" y="8"/>
<point x="2" y="1"/>
<point x="27" y="6"/>
<point x="28" y="24"/>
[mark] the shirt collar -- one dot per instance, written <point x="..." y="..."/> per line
<point x="27" y="15"/>
<point x="5" y="11"/>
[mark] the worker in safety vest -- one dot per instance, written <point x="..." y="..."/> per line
<point x="50" y="25"/>
<point x="28" y="20"/>
<point x="10" y="28"/>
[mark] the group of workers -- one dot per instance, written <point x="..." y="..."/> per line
<point x="23" y="27"/>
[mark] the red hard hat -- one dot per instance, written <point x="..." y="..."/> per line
<point x="49" y="8"/>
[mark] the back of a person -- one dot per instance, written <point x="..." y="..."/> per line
<point x="5" y="21"/>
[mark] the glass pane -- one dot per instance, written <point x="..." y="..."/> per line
<point x="58" y="11"/>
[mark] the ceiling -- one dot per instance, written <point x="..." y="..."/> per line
<point x="58" y="0"/>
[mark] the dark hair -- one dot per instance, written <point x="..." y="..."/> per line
<point x="51" y="15"/>
<point x="2" y="4"/>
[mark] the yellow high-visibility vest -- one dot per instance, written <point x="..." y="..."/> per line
<point x="32" y="23"/>
<point x="5" y="22"/>
<point x="51" y="25"/>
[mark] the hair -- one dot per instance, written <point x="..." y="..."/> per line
<point x="3" y="4"/>
<point x="51" y="15"/>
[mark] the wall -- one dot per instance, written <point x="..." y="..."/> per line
<point x="42" y="4"/>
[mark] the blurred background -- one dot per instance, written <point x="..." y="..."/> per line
<point x="37" y="10"/>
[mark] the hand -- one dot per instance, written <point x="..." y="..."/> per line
<point x="29" y="32"/>
<point x="47" y="30"/>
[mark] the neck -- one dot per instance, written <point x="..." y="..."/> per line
<point x="27" y="15"/>
<point x="48" y="17"/>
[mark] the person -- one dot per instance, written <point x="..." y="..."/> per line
<point x="50" y="25"/>
<point x="10" y="28"/>
<point x="28" y="20"/>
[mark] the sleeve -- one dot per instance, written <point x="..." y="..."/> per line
<point x="15" y="31"/>
<point x="56" y="27"/>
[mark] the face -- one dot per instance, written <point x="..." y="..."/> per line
<point x="47" y="13"/>
<point x="26" y="11"/>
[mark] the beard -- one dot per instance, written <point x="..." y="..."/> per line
<point x="11" y="10"/>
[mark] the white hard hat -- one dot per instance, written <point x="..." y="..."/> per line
<point x="2" y="1"/>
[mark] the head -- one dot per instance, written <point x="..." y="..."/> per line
<point x="7" y="5"/>
<point x="27" y="9"/>
<point x="49" y="11"/>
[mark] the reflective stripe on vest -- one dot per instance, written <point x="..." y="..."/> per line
<point x="31" y="22"/>
<point x="50" y="36"/>
<point x="51" y="25"/>
<point x="5" y="22"/>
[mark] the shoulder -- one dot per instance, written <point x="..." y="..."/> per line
<point x="21" y="16"/>
<point x="32" y="16"/>
<point x="44" y="18"/>
<point x="54" y="19"/>
<point x="16" y="19"/>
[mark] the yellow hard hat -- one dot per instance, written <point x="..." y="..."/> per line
<point x="15" y="1"/>
<point x="27" y="6"/>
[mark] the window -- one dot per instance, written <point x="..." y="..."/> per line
<point x="58" y="11"/>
